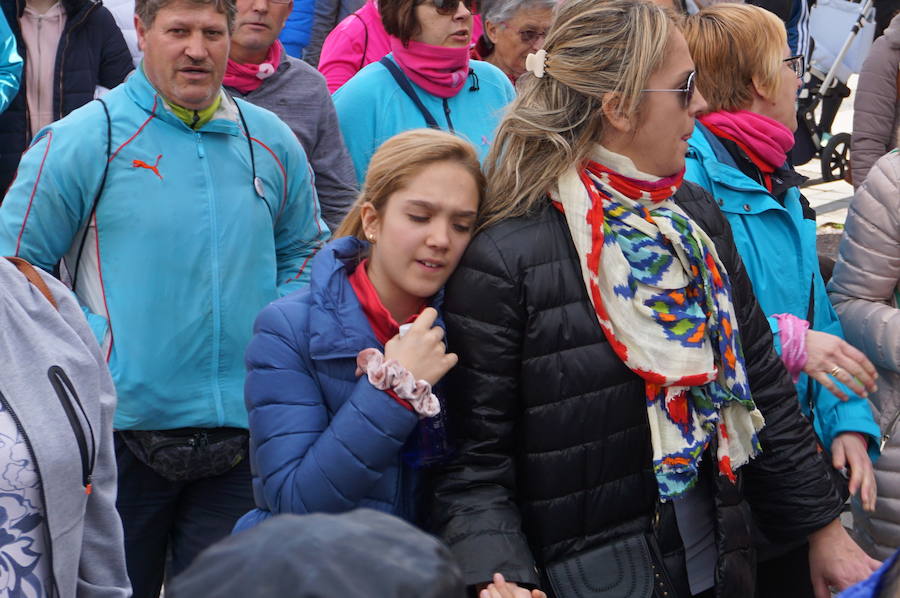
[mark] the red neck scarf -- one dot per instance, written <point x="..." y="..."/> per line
<point x="380" y="319"/>
<point x="765" y="140"/>
<point x="438" y="70"/>
<point x="248" y="77"/>
<point x="655" y="191"/>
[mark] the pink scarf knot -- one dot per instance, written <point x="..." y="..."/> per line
<point x="438" y="70"/>
<point x="246" y="77"/>
<point x="765" y="137"/>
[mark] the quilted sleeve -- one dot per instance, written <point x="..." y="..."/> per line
<point x="474" y="508"/>
<point x="306" y="458"/>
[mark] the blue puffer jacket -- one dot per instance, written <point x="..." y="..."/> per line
<point x="778" y="247"/>
<point x="322" y="438"/>
<point x="298" y="27"/>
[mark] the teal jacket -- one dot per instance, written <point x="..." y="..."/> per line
<point x="778" y="247"/>
<point x="371" y="108"/>
<point x="184" y="253"/>
<point x="10" y="64"/>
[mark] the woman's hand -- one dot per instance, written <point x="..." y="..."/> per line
<point x="500" y="588"/>
<point x="421" y="350"/>
<point x="849" y="450"/>
<point x="835" y="561"/>
<point x="829" y="355"/>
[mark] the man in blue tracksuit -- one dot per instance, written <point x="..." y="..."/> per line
<point x="177" y="218"/>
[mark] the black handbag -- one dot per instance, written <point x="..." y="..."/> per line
<point x="626" y="568"/>
<point x="187" y="454"/>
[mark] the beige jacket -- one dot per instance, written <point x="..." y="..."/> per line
<point x="862" y="290"/>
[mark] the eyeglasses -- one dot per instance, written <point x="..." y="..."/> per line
<point x="797" y="64"/>
<point x="449" y="7"/>
<point x="529" y="36"/>
<point x="280" y="1"/>
<point x="687" y="91"/>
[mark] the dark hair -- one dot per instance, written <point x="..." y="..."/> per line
<point x="399" y="18"/>
<point x="146" y="9"/>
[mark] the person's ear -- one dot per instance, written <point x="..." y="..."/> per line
<point x="614" y="114"/>
<point x="368" y="215"/>
<point x="490" y="30"/>
<point x="758" y="87"/>
<point x="141" y="32"/>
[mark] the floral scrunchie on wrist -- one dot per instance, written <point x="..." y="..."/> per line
<point x="792" y="333"/>
<point x="389" y="375"/>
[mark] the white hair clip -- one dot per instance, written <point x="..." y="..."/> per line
<point x="536" y="62"/>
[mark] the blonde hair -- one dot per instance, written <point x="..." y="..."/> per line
<point x="402" y="157"/>
<point x="731" y="44"/>
<point x="594" y="47"/>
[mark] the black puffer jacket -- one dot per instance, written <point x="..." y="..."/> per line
<point x="91" y="52"/>
<point x="555" y="456"/>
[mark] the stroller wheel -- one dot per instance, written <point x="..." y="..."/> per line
<point x="835" y="158"/>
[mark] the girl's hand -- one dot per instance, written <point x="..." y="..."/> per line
<point x="829" y="355"/>
<point x="500" y="588"/>
<point x="421" y="350"/>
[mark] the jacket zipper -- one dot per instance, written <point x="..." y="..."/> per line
<point x="59" y="98"/>
<point x="20" y="10"/>
<point x="65" y="392"/>
<point x="54" y="590"/>
<point x="890" y="429"/>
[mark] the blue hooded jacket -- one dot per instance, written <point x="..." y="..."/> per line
<point x="323" y="439"/>
<point x="298" y="27"/>
<point x="778" y="248"/>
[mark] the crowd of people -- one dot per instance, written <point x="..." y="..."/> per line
<point x="435" y="298"/>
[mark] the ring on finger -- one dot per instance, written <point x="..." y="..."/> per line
<point x="835" y="371"/>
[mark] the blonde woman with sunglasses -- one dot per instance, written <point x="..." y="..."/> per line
<point x="621" y="415"/>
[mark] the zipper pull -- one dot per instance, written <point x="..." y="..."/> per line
<point x="883" y="442"/>
<point x="88" y="486"/>
<point x="200" y="152"/>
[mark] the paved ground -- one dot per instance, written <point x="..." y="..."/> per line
<point x="830" y="200"/>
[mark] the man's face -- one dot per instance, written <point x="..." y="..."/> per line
<point x="258" y="24"/>
<point x="185" y="52"/>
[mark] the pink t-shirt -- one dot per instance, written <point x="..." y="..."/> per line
<point x="41" y="33"/>
<point x="358" y="40"/>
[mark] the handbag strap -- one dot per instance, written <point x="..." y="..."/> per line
<point x="34" y="278"/>
<point x="406" y="86"/>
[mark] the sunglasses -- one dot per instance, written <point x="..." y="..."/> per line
<point x="449" y="7"/>
<point x="687" y="91"/>
<point x="529" y="36"/>
<point x="797" y="64"/>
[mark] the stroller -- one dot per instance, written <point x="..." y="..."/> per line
<point x="830" y="68"/>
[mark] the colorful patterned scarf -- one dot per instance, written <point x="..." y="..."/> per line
<point x="663" y="301"/>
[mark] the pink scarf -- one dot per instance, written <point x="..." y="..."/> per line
<point x="438" y="70"/>
<point x="248" y="77"/>
<point x="766" y="138"/>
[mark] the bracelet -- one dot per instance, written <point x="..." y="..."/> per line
<point x="792" y="333"/>
<point x="388" y="374"/>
